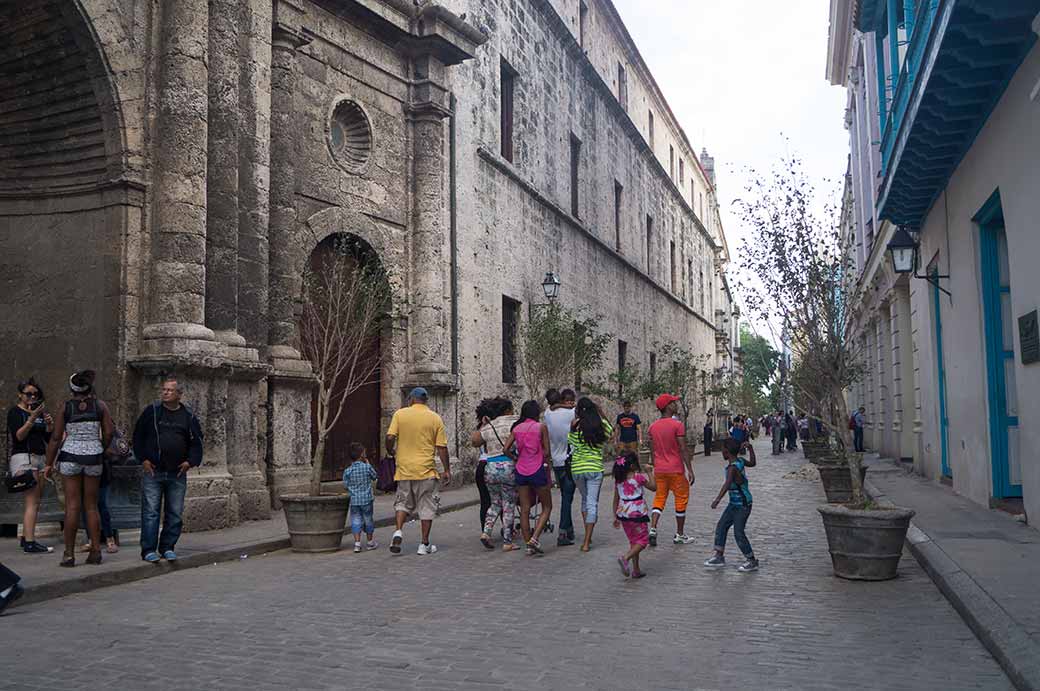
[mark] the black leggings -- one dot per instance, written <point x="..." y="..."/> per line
<point x="485" y="496"/>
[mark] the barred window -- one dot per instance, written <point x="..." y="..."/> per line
<point x="510" y="325"/>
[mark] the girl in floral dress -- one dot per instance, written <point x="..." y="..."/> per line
<point x="631" y="510"/>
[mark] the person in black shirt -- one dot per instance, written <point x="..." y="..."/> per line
<point x="29" y="426"/>
<point x="168" y="441"/>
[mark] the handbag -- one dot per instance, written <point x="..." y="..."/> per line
<point x="118" y="451"/>
<point x="385" y="481"/>
<point x="21" y="482"/>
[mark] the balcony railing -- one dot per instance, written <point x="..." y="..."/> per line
<point x="907" y="80"/>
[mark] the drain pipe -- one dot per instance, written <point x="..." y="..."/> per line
<point x="454" y="263"/>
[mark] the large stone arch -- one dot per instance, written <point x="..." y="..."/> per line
<point x="385" y="240"/>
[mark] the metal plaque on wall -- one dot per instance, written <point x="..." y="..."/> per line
<point x="1029" y="338"/>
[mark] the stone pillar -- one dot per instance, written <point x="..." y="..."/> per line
<point x="222" y="173"/>
<point x="904" y="336"/>
<point x="429" y="319"/>
<point x="886" y="376"/>
<point x="254" y="174"/>
<point x="247" y="422"/>
<point x="291" y="383"/>
<point x="178" y="277"/>
<point x="285" y="256"/>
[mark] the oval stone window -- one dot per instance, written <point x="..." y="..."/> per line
<point x="350" y="136"/>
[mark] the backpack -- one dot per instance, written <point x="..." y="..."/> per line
<point x="385" y="472"/>
<point x="852" y="422"/>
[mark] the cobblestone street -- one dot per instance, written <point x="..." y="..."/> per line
<point x="469" y="619"/>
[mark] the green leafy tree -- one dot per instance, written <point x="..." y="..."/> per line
<point x="678" y="373"/>
<point x="557" y="346"/>
<point x="759" y="361"/>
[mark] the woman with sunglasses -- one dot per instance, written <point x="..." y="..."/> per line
<point x="30" y="427"/>
<point x="83" y="430"/>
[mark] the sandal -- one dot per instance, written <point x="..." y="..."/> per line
<point x="112" y="547"/>
<point x="509" y="547"/>
<point x="86" y="547"/>
<point x="94" y="557"/>
<point x="485" y="540"/>
<point x="535" y="547"/>
<point x="67" y="559"/>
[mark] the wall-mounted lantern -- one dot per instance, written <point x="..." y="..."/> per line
<point x="904" y="251"/>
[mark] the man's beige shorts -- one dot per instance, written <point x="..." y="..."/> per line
<point x="418" y="496"/>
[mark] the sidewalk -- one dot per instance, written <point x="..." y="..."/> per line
<point x="43" y="579"/>
<point x="984" y="561"/>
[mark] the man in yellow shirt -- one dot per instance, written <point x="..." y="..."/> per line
<point x="415" y="436"/>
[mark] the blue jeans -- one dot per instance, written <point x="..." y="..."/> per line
<point x="589" y="485"/>
<point x="857" y="439"/>
<point x="361" y="518"/>
<point x="167" y="490"/>
<point x="737" y="517"/>
<point x="567" y="487"/>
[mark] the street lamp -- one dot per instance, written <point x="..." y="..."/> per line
<point x="551" y="286"/>
<point x="904" y="252"/>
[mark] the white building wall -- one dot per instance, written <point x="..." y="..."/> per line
<point x="1004" y="156"/>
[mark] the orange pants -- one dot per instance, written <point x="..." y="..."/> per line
<point x="676" y="484"/>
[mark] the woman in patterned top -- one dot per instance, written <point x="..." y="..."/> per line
<point x="589" y="432"/>
<point x="83" y="428"/>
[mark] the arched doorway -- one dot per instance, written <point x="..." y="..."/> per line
<point x="344" y="268"/>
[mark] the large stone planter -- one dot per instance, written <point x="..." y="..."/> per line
<point x="316" y="524"/>
<point x="865" y="544"/>
<point x="815" y="449"/>
<point x="837" y="480"/>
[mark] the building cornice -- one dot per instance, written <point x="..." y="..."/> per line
<point x="839" y="40"/>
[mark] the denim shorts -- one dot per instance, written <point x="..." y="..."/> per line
<point x="540" y="478"/>
<point x="361" y="518"/>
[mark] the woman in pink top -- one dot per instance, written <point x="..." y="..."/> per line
<point x="528" y="442"/>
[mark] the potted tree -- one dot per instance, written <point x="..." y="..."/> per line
<point x="345" y="303"/>
<point x="557" y="345"/>
<point x="678" y="373"/>
<point x="798" y="275"/>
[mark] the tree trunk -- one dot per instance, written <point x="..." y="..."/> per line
<point x="852" y="457"/>
<point x="317" y="462"/>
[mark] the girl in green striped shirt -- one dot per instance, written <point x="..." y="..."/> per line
<point x="589" y="432"/>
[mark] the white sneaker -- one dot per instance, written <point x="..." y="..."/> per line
<point x="426" y="549"/>
<point x="682" y="539"/>
<point x="357" y="548"/>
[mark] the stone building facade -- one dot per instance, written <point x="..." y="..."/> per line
<point x="166" y="170"/>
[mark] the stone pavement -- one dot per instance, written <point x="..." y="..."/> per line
<point x="43" y="579"/>
<point x="465" y="618"/>
<point x="984" y="561"/>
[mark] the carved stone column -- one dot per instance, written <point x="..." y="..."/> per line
<point x="178" y="277"/>
<point x="290" y="385"/>
<point x="222" y="172"/>
<point x="285" y="258"/>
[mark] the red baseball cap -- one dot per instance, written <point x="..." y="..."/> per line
<point x="664" y="399"/>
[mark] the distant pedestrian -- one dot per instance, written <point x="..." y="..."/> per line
<point x="500" y="470"/>
<point x="672" y="467"/>
<point x="803" y="427"/>
<point x="630" y="510"/>
<point x="358" y="478"/>
<point x="83" y="429"/>
<point x="777" y="428"/>
<point x="738" y="429"/>
<point x="738" y="510"/>
<point x="168" y="440"/>
<point x="709" y="433"/>
<point x="558" y="419"/>
<point x="589" y="432"/>
<point x="415" y="436"/>
<point x="628" y="430"/>
<point x="29" y="425"/>
<point x="10" y="590"/>
<point x="857" y="429"/>
<point x="529" y="441"/>
<point x="791" y="431"/>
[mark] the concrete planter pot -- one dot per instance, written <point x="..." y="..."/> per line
<point x="837" y="480"/>
<point x="865" y="545"/>
<point x="316" y="524"/>
<point x="815" y="449"/>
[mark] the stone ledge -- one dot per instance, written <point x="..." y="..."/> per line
<point x="1009" y="643"/>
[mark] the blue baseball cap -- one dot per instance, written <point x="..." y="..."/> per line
<point x="418" y="392"/>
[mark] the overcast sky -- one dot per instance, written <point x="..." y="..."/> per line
<point x="746" y="79"/>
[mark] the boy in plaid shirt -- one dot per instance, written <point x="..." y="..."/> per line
<point x="358" y="479"/>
